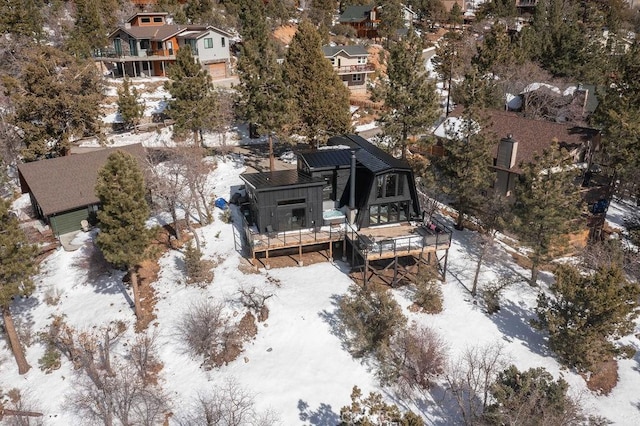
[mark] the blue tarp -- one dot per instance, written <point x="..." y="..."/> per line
<point x="221" y="203"/>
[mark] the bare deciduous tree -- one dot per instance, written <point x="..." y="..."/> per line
<point x="255" y="300"/>
<point x="417" y="356"/>
<point x="226" y="405"/>
<point x="208" y="332"/>
<point x="470" y="377"/>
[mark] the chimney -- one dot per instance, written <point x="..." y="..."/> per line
<point x="507" y="152"/>
<point x="127" y="25"/>
<point x="352" y="191"/>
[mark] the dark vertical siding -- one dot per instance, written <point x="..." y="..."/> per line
<point x="268" y="202"/>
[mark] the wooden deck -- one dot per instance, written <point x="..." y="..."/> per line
<point x="400" y="240"/>
<point x="273" y="241"/>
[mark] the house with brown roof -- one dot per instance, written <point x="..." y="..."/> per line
<point x="62" y="189"/>
<point x="521" y="139"/>
<point x="147" y="44"/>
<point x="352" y="65"/>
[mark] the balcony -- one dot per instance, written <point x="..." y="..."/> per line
<point x="355" y="69"/>
<point x="126" y="55"/>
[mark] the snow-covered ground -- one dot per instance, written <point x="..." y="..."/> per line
<point x="296" y="366"/>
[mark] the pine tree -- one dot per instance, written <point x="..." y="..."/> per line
<point x="56" y="98"/>
<point x="586" y="312"/>
<point x="262" y="94"/>
<point x="198" y="11"/>
<point x="17" y="266"/>
<point x="129" y="106"/>
<point x="391" y="19"/>
<point x="89" y="32"/>
<point x="322" y="11"/>
<point x="464" y="170"/>
<point x="531" y="398"/>
<point x="22" y="18"/>
<point x="123" y="236"/>
<point x="318" y="95"/>
<point x="546" y="203"/>
<point x="193" y="101"/>
<point x="410" y="99"/>
<point x="618" y="115"/>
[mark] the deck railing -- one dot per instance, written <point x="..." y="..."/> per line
<point x="433" y="234"/>
<point x="283" y="239"/>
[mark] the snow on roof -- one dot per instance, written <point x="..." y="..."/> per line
<point x="455" y="127"/>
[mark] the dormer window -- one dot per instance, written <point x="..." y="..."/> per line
<point x="145" y="20"/>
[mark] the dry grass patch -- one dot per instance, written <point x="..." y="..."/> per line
<point x="604" y="377"/>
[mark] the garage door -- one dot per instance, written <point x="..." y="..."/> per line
<point x="68" y="221"/>
<point x="218" y="70"/>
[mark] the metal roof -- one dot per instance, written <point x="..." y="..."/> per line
<point x="326" y="158"/>
<point x="369" y="155"/>
<point x="278" y="179"/>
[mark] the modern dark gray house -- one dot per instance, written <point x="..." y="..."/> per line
<point x="350" y="175"/>
<point x="349" y="193"/>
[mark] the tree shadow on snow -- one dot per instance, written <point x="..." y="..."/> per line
<point x="322" y="416"/>
<point x="99" y="274"/>
<point x="332" y="319"/>
<point x="513" y="322"/>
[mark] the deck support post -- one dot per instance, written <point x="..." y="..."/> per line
<point x="300" y="262"/>
<point x="365" y="271"/>
<point x="444" y="270"/>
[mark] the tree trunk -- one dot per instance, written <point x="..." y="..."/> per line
<point x="459" y="221"/>
<point x="534" y="275"/>
<point x="174" y="217"/>
<point x="483" y="251"/>
<point x="14" y="341"/>
<point x="272" y="161"/>
<point x="136" y="291"/>
<point x="193" y="232"/>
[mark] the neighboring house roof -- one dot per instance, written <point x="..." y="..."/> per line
<point x="355" y="13"/>
<point x="155" y="33"/>
<point x="355" y="50"/>
<point x="131" y="18"/>
<point x="533" y="136"/>
<point x="67" y="183"/>
<point x="278" y="179"/>
<point x="369" y="155"/>
<point x="164" y="32"/>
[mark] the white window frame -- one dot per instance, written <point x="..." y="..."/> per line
<point x="362" y="60"/>
<point x="356" y="77"/>
<point x="208" y="43"/>
<point x="223" y="41"/>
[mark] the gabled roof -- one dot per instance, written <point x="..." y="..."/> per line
<point x="67" y="183"/>
<point x="369" y="155"/>
<point x="164" y="32"/>
<point x="154" y="32"/>
<point x="355" y="13"/>
<point x="356" y="50"/>
<point x="278" y="179"/>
